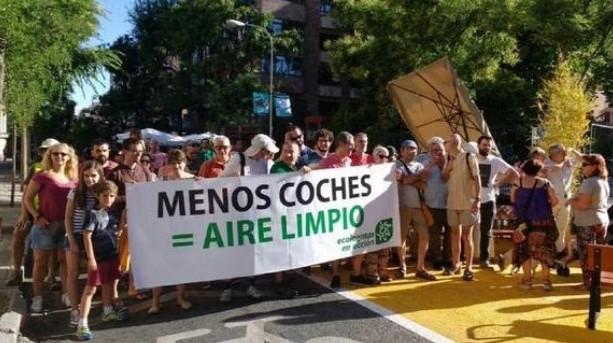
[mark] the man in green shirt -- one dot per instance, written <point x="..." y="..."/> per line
<point x="286" y="164"/>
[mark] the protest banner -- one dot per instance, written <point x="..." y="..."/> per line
<point x="199" y="230"/>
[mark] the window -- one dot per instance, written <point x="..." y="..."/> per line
<point x="278" y="25"/>
<point x="285" y="66"/>
<point x="325" y="7"/>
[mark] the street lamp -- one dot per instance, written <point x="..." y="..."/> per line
<point x="232" y="24"/>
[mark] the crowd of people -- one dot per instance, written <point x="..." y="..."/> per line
<point x="75" y="210"/>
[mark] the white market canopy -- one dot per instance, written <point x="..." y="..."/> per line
<point x="164" y="138"/>
<point x="433" y="101"/>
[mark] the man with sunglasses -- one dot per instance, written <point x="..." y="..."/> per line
<point x="215" y="167"/>
<point x="307" y="155"/>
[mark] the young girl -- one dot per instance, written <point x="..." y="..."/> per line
<point x="80" y="201"/>
<point x="175" y="170"/>
<point x="100" y="244"/>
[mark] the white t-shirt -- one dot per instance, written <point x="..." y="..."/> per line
<point x="252" y="167"/>
<point x="561" y="176"/>
<point x="489" y="167"/>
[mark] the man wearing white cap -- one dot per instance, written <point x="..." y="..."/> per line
<point x="256" y="160"/>
<point x="24" y="222"/>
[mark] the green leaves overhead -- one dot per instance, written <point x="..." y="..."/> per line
<point x="502" y="50"/>
<point x="45" y="53"/>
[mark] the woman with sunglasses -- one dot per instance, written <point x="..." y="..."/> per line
<point x="590" y="206"/>
<point x="146" y="162"/>
<point x="58" y="176"/>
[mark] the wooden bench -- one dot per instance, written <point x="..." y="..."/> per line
<point x="600" y="263"/>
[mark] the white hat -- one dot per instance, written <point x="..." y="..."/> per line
<point x="48" y="143"/>
<point x="259" y="142"/>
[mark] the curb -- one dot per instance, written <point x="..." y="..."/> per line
<point x="13" y="319"/>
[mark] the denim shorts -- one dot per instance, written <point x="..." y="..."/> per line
<point x="48" y="238"/>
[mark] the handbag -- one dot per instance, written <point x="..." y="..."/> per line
<point x="425" y="210"/>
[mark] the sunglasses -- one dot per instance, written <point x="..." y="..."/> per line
<point x="145" y="161"/>
<point x="295" y="138"/>
<point x="585" y="164"/>
<point x="57" y="153"/>
<point x="383" y="156"/>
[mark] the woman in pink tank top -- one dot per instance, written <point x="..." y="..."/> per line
<point x="51" y="185"/>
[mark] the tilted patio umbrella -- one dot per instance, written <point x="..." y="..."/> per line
<point x="432" y="101"/>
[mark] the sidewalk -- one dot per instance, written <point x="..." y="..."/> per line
<point x="12" y="304"/>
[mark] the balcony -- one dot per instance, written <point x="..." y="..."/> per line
<point x="283" y="9"/>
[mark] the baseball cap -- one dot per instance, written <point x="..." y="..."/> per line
<point x="259" y="142"/>
<point x="47" y="143"/>
<point x="409" y="143"/>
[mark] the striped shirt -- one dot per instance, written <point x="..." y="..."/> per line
<point x="78" y="214"/>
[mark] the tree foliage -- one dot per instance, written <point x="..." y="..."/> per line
<point x="179" y="56"/>
<point x="565" y="103"/>
<point x="502" y="50"/>
<point x="45" y="53"/>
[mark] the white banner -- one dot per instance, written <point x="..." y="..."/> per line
<point x="199" y="230"/>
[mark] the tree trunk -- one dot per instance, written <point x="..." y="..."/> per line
<point x="25" y="149"/>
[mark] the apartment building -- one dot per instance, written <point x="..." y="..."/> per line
<point x="314" y="93"/>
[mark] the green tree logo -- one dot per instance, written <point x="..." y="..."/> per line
<point x="384" y="231"/>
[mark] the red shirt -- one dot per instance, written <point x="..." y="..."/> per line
<point x="211" y="169"/>
<point x="52" y="196"/>
<point x="366" y="159"/>
<point x="333" y="161"/>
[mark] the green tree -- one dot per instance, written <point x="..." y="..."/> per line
<point x="44" y="52"/>
<point x="565" y="104"/>
<point x="502" y="50"/>
<point x="180" y="57"/>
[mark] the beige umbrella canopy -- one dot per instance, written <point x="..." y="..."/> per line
<point x="432" y="101"/>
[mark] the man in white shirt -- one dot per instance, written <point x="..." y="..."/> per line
<point x="489" y="168"/>
<point x="256" y="160"/>
<point x="559" y="171"/>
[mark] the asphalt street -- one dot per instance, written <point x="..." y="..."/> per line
<point x="316" y="316"/>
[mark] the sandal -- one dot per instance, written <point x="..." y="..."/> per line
<point x="468" y="275"/>
<point x="139" y="296"/>
<point x="547" y="286"/>
<point x="185" y="305"/>
<point x="154" y="310"/>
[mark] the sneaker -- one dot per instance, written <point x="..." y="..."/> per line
<point x="359" y="279"/>
<point x="468" y="275"/>
<point x="84" y="333"/>
<point x="66" y="300"/>
<point x="254" y="293"/>
<point x="423" y="274"/>
<point x="385" y="278"/>
<point x="74" y="319"/>
<point x="547" y="286"/>
<point x="15" y="278"/>
<point x="336" y="282"/>
<point x="226" y="296"/>
<point x="486" y="265"/>
<point x="37" y="304"/>
<point x="112" y="316"/>
<point x="122" y="312"/>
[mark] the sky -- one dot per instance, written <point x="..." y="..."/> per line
<point x="113" y="24"/>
